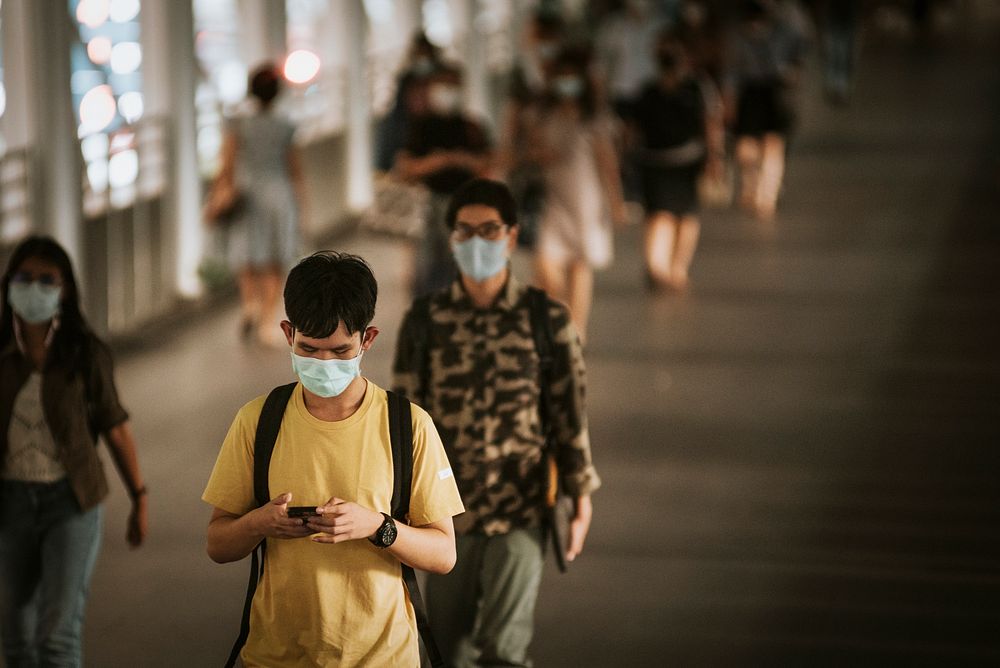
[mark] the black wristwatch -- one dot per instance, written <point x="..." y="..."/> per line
<point x="385" y="535"/>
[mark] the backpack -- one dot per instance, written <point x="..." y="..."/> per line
<point x="544" y="339"/>
<point x="401" y="441"/>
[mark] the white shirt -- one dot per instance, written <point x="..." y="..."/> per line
<point x="32" y="455"/>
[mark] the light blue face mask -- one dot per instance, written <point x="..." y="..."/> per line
<point x="34" y="302"/>
<point x="480" y="259"/>
<point x="326" y="378"/>
<point x="568" y="87"/>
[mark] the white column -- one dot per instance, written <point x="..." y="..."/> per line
<point x="36" y="44"/>
<point x="169" y="71"/>
<point x="477" y="91"/>
<point x="410" y="17"/>
<point x="359" y="133"/>
<point x="264" y="27"/>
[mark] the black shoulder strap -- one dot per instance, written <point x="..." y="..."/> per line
<point x="401" y="441"/>
<point x="268" y="426"/>
<point x="541" y="332"/>
<point x="420" y="316"/>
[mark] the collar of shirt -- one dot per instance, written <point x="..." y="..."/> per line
<point x="510" y="295"/>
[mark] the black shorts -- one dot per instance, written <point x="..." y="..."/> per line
<point x="762" y="109"/>
<point x="671" y="189"/>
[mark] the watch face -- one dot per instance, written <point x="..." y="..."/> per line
<point x="387" y="536"/>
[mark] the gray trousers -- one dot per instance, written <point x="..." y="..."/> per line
<point x="483" y="612"/>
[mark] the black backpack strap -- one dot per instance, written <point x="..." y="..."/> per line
<point x="420" y="317"/>
<point x="268" y="426"/>
<point x="541" y="332"/>
<point x="401" y="441"/>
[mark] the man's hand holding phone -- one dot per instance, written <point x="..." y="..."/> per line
<point x="274" y="521"/>
<point x="340" y="521"/>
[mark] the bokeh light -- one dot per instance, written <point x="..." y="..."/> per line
<point x="99" y="50"/>
<point x="131" y="106"/>
<point x="123" y="11"/>
<point x="126" y="57"/>
<point x="301" y="66"/>
<point x="92" y="13"/>
<point x="97" y="109"/>
<point x="123" y="169"/>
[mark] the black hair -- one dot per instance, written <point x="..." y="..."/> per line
<point x="71" y="342"/>
<point x="328" y="288"/>
<point x="265" y="84"/>
<point x="753" y="10"/>
<point x="493" y="194"/>
<point x="446" y="71"/>
<point x="419" y="43"/>
<point x="548" y="23"/>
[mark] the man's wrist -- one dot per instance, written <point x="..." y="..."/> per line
<point x="385" y="535"/>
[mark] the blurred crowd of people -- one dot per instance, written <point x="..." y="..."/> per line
<point x="648" y="106"/>
<point x="637" y="112"/>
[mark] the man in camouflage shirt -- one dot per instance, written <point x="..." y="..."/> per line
<point x="469" y="358"/>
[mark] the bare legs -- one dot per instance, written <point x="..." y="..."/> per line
<point x="260" y="289"/>
<point x="762" y="168"/>
<point x="571" y="282"/>
<point x="669" y="248"/>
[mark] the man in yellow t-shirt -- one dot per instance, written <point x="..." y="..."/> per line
<point x="331" y="593"/>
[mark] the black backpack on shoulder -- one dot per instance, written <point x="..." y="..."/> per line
<point x="401" y="441"/>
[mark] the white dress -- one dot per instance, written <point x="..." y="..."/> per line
<point x="575" y="224"/>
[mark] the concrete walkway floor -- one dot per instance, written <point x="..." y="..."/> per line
<point x="800" y="455"/>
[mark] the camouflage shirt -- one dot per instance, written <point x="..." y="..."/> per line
<point x="483" y="393"/>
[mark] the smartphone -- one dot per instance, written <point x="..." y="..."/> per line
<point x="302" y="511"/>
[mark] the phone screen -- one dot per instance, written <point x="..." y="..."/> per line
<point x="302" y="511"/>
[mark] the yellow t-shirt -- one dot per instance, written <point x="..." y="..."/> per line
<point x="324" y="604"/>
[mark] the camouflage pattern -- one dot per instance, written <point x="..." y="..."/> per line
<point x="483" y="393"/>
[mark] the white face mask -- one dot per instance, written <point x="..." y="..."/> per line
<point x="445" y="99"/>
<point x="34" y="302"/>
<point x="480" y="259"/>
<point x="422" y="66"/>
<point x="568" y="87"/>
<point x="326" y="378"/>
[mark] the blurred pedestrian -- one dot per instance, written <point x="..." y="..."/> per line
<point x="678" y="123"/>
<point x="699" y="30"/>
<point x="422" y="58"/>
<point x="573" y="142"/>
<point x="259" y="159"/>
<point x="446" y="147"/>
<point x="543" y="41"/>
<point x="625" y="51"/>
<point x="506" y="410"/>
<point x="57" y="396"/>
<point x="763" y="68"/>
<point x="624" y="46"/>
<point x="839" y="25"/>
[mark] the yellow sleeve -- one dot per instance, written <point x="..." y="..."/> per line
<point x="230" y="486"/>
<point x="434" y="495"/>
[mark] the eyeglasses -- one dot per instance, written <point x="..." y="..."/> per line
<point x="488" y="231"/>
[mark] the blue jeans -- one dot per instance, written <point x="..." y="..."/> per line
<point x="48" y="549"/>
